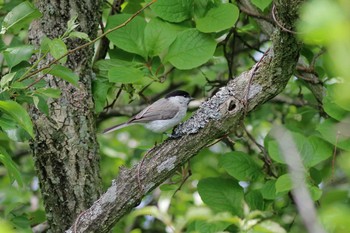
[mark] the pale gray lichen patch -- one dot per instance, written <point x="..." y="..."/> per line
<point x="167" y="164"/>
<point x="254" y="90"/>
<point x="110" y="195"/>
<point x="209" y="110"/>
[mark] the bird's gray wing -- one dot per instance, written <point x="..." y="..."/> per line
<point x="159" y="110"/>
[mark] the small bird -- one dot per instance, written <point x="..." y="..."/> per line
<point x="162" y="115"/>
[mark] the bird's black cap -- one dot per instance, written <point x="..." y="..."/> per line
<point x="178" y="93"/>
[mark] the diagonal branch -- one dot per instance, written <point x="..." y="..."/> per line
<point x="216" y="117"/>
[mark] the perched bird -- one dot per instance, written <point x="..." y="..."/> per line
<point x="162" y="115"/>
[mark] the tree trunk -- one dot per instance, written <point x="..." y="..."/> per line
<point x="65" y="148"/>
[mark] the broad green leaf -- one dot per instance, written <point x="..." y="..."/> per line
<point x="211" y="226"/>
<point x="221" y="194"/>
<point x="255" y="200"/>
<point x="19" y="17"/>
<point x="174" y="10"/>
<point x="44" y="46"/>
<point x="64" y="73"/>
<point x="6" y="79"/>
<point x="14" y="56"/>
<point x="331" y="107"/>
<point x="240" y="165"/>
<point x="41" y="104"/>
<point x="268" y="226"/>
<point x="321" y="151"/>
<point x="315" y="192"/>
<point x="13" y="132"/>
<point x="190" y="49"/>
<point x="330" y="103"/>
<point x="57" y="49"/>
<point x="100" y="89"/>
<point x="49" y="92"/>
<point x="268" y="191"/>
<point x="130" y="37"/>
<point x="336" y="133"/>
<point x="11" y="167"/>
<point x="274" y="151"/>
<point x="158" y="36"/>
<point x="125" y="75"/>
<point x="200" y="7"/>
<point x="103" y="66"/>
<point x="219" y="18"/>
<point x="19" y="114"/>
<point x="312" y="150"/>
<point x="284" y="184"/>
<point x="262" y="4"/>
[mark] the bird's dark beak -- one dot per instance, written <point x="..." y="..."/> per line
<point x="191" y="99"/>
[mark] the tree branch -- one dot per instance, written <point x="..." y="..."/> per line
<point x="216" y="117"/>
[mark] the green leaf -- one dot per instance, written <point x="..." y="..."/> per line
<point x="262" y="4"/>
<point x="336" y="133"/>
<point x="240" y="165"/>
<point x="274" y="151"/>
<point x="221" y="194"/>
<point x="6" y="79"/>
<point x="19" y="17"/>
<point x="19" y="114"/>
<point x="11" y="167"/>
<point x="130" y="37"/>
<point x="71" y="24"/>
<point x="321" y="150"/>
<point x="190" y="49"/>
<point x="284" y="184"/>
<point x="103" y="66"/>
<point x="13" y="132"/>
<point x="125" y="75"/>
<point x="49" y="92"/>
<point x="41" y="104"/>
<point x="15" y="55"/>
<point x="210" y="226"/>
<point x="80" y="35"/>
<point x="100" y="89"/>
<point x="255" y="200"/>
<point x="44" y="46"/>
<point x="174" y="10"/>
<point x="268" y="191"/>
<point x="315" y="192"/>
<point x="64" y="73"/>
<point x="219" y="18"/>
<point x="312" y="150"/>
<point x="268" y="226"/>
<point x="57" y="49"/>
<point x="158" y="36"/>
<point x="330" y="103"/>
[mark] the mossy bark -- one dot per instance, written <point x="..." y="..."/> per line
<point x="65" y="149"/>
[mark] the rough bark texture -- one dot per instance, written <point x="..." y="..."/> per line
<point x="65" y="148"/>
<point x="217" y="117"/>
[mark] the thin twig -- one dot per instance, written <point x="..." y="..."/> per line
<point x="187" y="175"/>
<point x="279" y="24"/>
<point x="245" y="102"/>
<point x="255" y="15"/>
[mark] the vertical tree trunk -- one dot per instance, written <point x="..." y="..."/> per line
<point x="65" y="148"/>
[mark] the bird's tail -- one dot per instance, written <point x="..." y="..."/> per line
<point x="116" y="127"/>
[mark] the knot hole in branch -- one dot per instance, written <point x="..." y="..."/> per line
<point x="231" y="105"/>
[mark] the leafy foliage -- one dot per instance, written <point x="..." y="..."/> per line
<point x="240" y="184"/>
